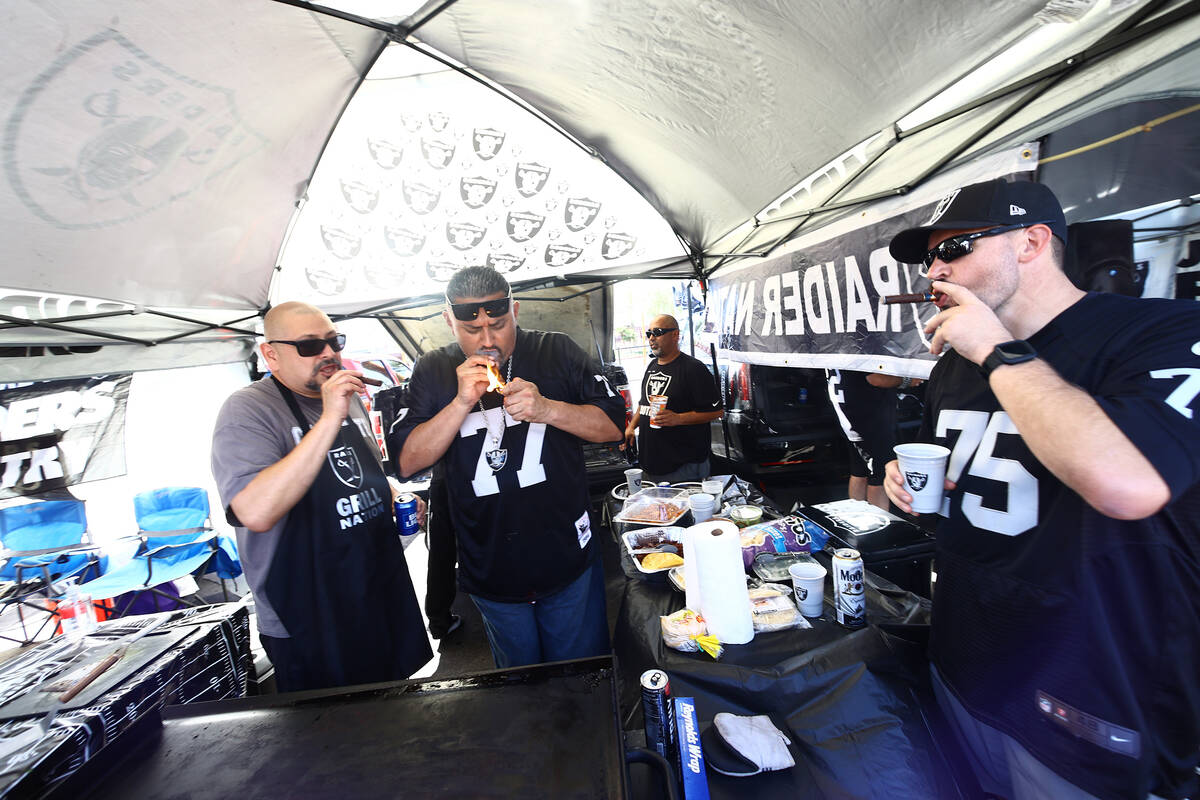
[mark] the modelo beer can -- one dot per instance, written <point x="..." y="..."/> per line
<point x="848" y="593"/>
<point x="659" y="713"/>
<point x="406" y="514"/>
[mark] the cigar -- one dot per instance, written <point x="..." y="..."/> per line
<point x="919" y="297"/>
<point x="371" y="381"/>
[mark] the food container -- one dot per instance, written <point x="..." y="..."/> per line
<point x="743" y="516"/>
<point x="774" y="566"/>
<point x="648" y="541"/>
<point x="654" y="505"/>
<point x="691" y="487"/>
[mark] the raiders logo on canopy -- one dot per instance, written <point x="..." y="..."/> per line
<point x="463" y="235"/>
<point x="559" y="255"/>
<point x="487" y="142"/>
<point x="342" y="243"/>
<point x="359" y="196"/>
<point x="325" y="279"/>
<point x="438" y="120"/>
<point x="580" y="212"/>
<point x="441" y="271"/>
<point x="523" y="226"/>
<point x="477" y="191"/>
<point x="384" y="153"/>
<point x="504" y="262"/>
<point x="403" y="242"/>
<point x="531" y="178"/>
<point x="420" y="197"/>
<point x="616" y="245"/>
<point x="438" y="153"/>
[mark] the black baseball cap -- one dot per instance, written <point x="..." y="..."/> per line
<point x="982" y="205"/>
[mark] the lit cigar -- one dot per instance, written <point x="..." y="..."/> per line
<point x="495" y="382"/>
<point x="918" y="297"/>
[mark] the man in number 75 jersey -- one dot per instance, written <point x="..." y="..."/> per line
<point x="1066" y="621"/>
<point x="515" y="470"/>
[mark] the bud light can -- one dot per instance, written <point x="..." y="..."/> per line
<point x="849" y="595"/>
<point x="659" y="714"/>
<point x="406" y="514"/>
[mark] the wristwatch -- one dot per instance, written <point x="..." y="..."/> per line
<point x="1018" y="351"/>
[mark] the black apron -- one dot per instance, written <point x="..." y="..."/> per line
<point x="339" y="580"/>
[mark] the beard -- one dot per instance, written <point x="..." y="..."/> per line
<point x="313" y="384"/>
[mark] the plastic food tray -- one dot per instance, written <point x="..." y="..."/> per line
<point x="642" y="541"/>
<point x="773" y="567"/>
<point x="655" y="505"/>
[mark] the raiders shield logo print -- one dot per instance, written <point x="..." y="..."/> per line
<point x="657" y="382"/>
<point x="943" y="206"/>
<point x="531" y="178"/>
<point x="916" y="480"/>
<point x="342" y="243"/>
<point x="559" y="255"/>
<point x="523" y="226"/>
<point x="504" y="262"/>
<point x="421" y="198"/>
<point x="384" y="153"/>
<point x="476" y="192"/>
<point x="463" y="235"/>
<point x="580" y="212"/>
<point x="616" y="245"/>
<point x="359" y="196"/>
<point x="438" y="154"/>
<point x="497" y="459"/>
<point x="403" y="242"/>
<point x="487" y="142"/>
<point x="802" y="593"/>
<point x="345" y="466"/>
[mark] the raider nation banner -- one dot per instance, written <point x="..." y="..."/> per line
<point x="818" y="303"/>
<point x="59" y="433"/>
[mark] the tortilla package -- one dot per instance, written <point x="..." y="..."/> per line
<point x="786" y="535"/>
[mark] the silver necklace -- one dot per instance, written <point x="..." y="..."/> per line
<point x="497" y="457"/>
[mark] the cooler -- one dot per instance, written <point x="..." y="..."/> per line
<point x="891" y="547"/>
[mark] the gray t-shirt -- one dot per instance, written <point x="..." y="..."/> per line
<point x="255" y="429"/>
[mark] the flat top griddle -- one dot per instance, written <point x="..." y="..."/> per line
<point x="550" y="730"/>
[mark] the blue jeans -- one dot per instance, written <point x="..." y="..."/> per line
<point x="696" y="471"/>
<point x="571" y="623"/>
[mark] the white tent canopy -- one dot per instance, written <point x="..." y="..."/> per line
<point x="155" y="154"/>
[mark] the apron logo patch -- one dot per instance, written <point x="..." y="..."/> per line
<point x="344" y="462"/>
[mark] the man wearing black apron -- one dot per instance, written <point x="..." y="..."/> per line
<point x="301" y="479"/>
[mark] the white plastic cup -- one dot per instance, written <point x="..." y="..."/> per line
<point x="808" y="582"/>
<point x="712" y="487"/>
<point x="923" y="468"/>
<point x="633" y="479"/>
<point x="657" y="403"/>
<point x="702" y="507"/>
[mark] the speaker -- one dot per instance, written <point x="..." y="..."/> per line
<point x="1099" y="257"/>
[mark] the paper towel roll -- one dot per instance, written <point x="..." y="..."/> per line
<point x="715" y="580"/>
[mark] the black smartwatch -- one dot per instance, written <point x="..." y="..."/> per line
<point x="1018" y="351"/>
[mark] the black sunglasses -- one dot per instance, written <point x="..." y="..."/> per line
<point x="313" y="347"/>
<point x="658" y="332"/>
<point x="959" y="246"/>
<point x="465" y="312"/>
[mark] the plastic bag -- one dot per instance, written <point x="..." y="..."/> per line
<point x="772" y="608"/>
<point x="685" y="631"/>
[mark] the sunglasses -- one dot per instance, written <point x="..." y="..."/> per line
<point x="465" y="312"/>
<point x="959" y="246"/>
<point x="314" y="347"/>
<point x="650" y="334"/>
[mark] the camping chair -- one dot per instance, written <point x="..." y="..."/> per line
<point x="148" y="572"/>
<point x="43" y="543"/>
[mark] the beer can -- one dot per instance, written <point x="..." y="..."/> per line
<point x="659" y="713"/>
<point x="406" y="514"/>
<point x="849" y="594"/>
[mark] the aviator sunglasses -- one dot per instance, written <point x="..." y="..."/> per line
<point x="465" y="312"/>
<point x="959" y="246"/>
<point x="313" y="347"/>
<point x="651" y="333"/>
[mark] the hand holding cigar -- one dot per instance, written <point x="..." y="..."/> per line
<point x="371" y="381"/>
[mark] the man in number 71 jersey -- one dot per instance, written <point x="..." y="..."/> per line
<point x="515" y="470"/>
<point x="1066" y="620"/>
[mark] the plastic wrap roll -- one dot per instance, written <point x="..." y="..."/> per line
<point x="715" y="580"/>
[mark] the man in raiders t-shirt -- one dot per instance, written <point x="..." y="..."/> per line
<point x="1066" y="621"/>
<point x="676" y="447"/>
<point x="514" y="470"/>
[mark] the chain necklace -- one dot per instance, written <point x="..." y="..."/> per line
<point x="497" y="457"/>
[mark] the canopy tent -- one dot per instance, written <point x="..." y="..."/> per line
<point x="160" y="161"/>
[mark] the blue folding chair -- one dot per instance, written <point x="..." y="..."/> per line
<point x="43" y="543"/>
<point x="171" y="515"/>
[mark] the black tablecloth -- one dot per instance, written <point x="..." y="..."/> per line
<point x="211" y="661"/>
<point x="856" y="705"/>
